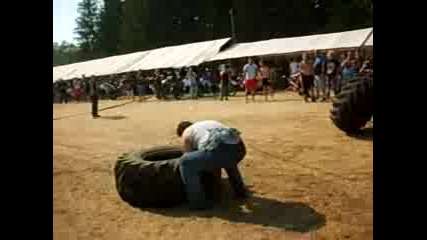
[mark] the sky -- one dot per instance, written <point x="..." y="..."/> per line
<point x="64" y="20"/>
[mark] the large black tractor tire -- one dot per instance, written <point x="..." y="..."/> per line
<point x="151" y="178"/>
<point x="353" y="107"/>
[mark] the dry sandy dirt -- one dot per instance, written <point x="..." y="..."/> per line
<point x="296" y="161"/>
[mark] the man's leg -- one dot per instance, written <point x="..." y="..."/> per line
<point x="328" y="86"/>
<point x="95" y="106"/>
<point x="192" y="164"/>
<point x="92" y="101"/>
<point x="311" y="82"/>
<point x="222" y="91"/>
<point x="236" y="182"/>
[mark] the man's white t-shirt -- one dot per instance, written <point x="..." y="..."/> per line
<point x="250" y="71"/>
<point x="295" y="67"/>
<point x="200" y="132"/>
<point x="191" y="76"/>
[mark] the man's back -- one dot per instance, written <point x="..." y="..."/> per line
<point x="200" y="131"/>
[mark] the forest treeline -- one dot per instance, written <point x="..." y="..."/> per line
<point x="111" y="27"/>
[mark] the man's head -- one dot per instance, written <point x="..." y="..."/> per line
<point x="304" y="56"/>
<point x="330" y="54"/>
<point x="182" y="126"/>
<point x="250" y="60"/>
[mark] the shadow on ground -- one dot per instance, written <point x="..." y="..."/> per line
<point x="290" y="216"/>
<point x="366" y="134"/>
<point x="118" y="117"/>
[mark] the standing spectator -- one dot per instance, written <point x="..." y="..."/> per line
<point x="216" y="77"/>
<point x="158" y="87"/>
<point x="332" y="70"/>
<point x="367" y="67"/>
<point x="250" y="71"/>
<point x="319" y="67"/>
<point x="133" y="85"/>
<point x="225" y="81"/>
<point x="209" y="82"/>
<point x="192" y="77"/>
<point x="294" y="74"/>
<point x="349" y="71"/>
<point x="139" y="85"/>
<point x="267" y="87"/>
<point x="77" y="90"/>
<point x="93" y="93"/>
<point x="359" y="59"/>
<point x="63" y="97"/>
<point x="294" y="67"/>
<point x="128" y="84"/>
<point x="205" y="81"/>
<point x="307" y="77"/>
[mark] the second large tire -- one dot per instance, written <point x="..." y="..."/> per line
<point x="353" y="107"/>
<point x="151" y="178"/>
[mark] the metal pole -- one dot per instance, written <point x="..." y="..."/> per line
<point x="233" y="28"/>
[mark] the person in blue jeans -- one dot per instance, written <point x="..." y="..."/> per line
<point x="209" y="145"/>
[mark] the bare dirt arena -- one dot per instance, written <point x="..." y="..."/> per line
<point x="297" y="160"/>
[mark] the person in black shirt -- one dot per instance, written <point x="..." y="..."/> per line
<point x="63" y="96"/>
<point x="93" y="93"/>
<point x="225" y="79"/>
<point x="332" y="70"/>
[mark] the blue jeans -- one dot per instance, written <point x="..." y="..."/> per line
<point x="193" y="91"/>
<point x="225" y="156"/>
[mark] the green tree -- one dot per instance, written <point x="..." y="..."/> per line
<point x="110" y="26"/>
<point x="88" y="26"/>
<point x="65" y="53"/>
<point x="135" y="25"/>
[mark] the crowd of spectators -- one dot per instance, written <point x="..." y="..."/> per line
<point x="316" y="75"/>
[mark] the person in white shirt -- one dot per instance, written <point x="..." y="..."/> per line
<point x="192" y="78"/>
<point x="294" y="66"/>
<point x="250" y="71"/>
<point x="209" y="145"/>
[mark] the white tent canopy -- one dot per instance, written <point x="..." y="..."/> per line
<point x="194" y="54"/>
<point x="61" y="72"/>
<point x="370" y="41"/>
<point x="167" y="57"/>
<point x="97" y="67"/>
<point x="191" y="54"/>
<point x="107" y="66"/>
<point x="348" y="39"/>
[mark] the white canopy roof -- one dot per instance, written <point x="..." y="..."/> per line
<point x="370" y="41"/>
<point x="97" y="67"/>
<point x="348" y="39"/>
<point x="106" y="66"/>
<point x="61" y="72"/>
<point x="167" y="57"/>
<point x="194" y="54"/>
<point x="185" y="55"/>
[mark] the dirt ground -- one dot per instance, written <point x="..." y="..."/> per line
<point x="296" y="161"/>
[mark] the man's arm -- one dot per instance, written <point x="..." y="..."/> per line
<point x="186" y="141"/>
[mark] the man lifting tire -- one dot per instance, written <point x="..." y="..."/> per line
<point x="209" y="145"/>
